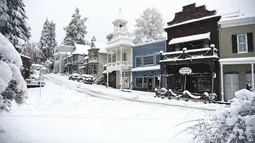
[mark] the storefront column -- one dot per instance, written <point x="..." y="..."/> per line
<point x="252" y="75"/>
<point x="107" y="74"/>
<point x="120" y="78"/>
<point x="221" y="80"/>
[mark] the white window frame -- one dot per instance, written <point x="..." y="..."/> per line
<point x="246" y="43"/>
<point x="141" y="61"/>
<point x="153" y="60"/>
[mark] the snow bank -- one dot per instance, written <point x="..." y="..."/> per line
<point x="235" y="123"/>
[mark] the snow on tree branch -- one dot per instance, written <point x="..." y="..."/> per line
<point x="149" y="27"/>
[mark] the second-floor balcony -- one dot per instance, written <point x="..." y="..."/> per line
<point x="190" y="55"/>
<point x="119" y="65"/>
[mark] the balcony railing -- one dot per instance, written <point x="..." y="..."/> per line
<point x="190" y="54"/>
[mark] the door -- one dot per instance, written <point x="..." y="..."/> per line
<point x="231" y="85"/>
<point x="150" y="84"/>
<point x="248" y="77"/>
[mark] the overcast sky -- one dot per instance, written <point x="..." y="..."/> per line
<point x="101" y="13"/>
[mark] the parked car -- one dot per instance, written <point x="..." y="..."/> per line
<point x="74" y="76"/>
<point x="83" y="77"/>
<point x="88" y="80"/>
<point x="100" y="81"/>
<point x="32" y="81"/>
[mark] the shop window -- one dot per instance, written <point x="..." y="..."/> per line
<point x="204" y="83"/>
<point x="139" y="82"/>
<point x="95" y="69"/>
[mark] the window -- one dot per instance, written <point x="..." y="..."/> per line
<point x="95" y="69"/>
<point x="242" y="43"/>
<point x="124" y="57"/>
<point x="75" y="57"/>
<point x="148" y="60"/>
<point x="139" y="82"/>
<point x="157" y="58"/>
<point x="138" y="61"/>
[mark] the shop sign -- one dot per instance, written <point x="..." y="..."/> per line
<point x="148" y="74"/>
<point x="185" y="71"/>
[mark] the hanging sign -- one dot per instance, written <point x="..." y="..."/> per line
<point x="185" y="71"/>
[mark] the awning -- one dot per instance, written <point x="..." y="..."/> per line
<point x="149" y="68"/>
<point x="189" y="38"/>
<point x="82" y="67"/>
<point x="105" y="71"/>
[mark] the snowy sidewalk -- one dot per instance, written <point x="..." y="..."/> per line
<point x="138" y="96"/>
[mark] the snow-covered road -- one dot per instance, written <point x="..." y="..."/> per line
<point x="63" y="114"/>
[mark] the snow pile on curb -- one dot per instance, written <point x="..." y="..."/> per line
<point x="146" y="97"/>
<point x="235" y="123"/>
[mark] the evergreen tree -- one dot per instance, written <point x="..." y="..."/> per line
<point x="76" y="30"/>
<point x="149" y="26"/>
<point x="32" y="50"/>
<point x="14" y="25"/>
<point x="4" y="17"/>
<point x="47" y="41"/>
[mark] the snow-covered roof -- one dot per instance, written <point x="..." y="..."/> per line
<point x="190" y="38"/>
<point x="62" y="53"/>
<point x="192" y="58"/>
<point x="87" y="57"/>
<point x="81" y="49"/>
<point x="25" y="56"/>
<point x="192" y="20"/>
<point x="36" y="65"/>
<point x="244" y="60"/>
<point x="237" y="21"/>
<point x="142" y="44"/>
<point x="82" y="67"/>
<point x="149" y="68"/>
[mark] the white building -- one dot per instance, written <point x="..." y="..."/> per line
<point x="119" y="56"/>
<point x="97" y="58"/>
<point x="59" y="54"/>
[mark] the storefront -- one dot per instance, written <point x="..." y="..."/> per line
<point x="147" y="80"/>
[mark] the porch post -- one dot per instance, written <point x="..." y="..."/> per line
<point x="221" y="80"/>
<point x="116" y="55"/>
<point x="107" y="74"/>
<point x="120" y="78"/>
<point x="120" y="53"/>
<point x="252" y="75"/>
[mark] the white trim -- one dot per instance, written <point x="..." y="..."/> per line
<point x="191" y="21"/>
<point x="236" y="21"/>
<point x="246" y="43"/>
<point x="233" y="61"/>
<point x="149" y="68"/>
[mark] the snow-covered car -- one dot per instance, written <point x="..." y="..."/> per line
<point x="83" y="78"/>
<point x="88" y="80"/>
<point x="34" y="82"/>
<point x="74" y="76"/>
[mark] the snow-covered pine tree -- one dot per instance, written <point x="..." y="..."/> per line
<point x="47" y="41"/>
<point x="149" y="27"/>
<point x="32" y="50"/>
<point x="16" y="28"/>
<point x="76" y="30"/>
<point x="12" y="84"/>
<point x="3" y="15"/>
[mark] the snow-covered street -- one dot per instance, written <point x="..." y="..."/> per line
<point x="71" y="114"/>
